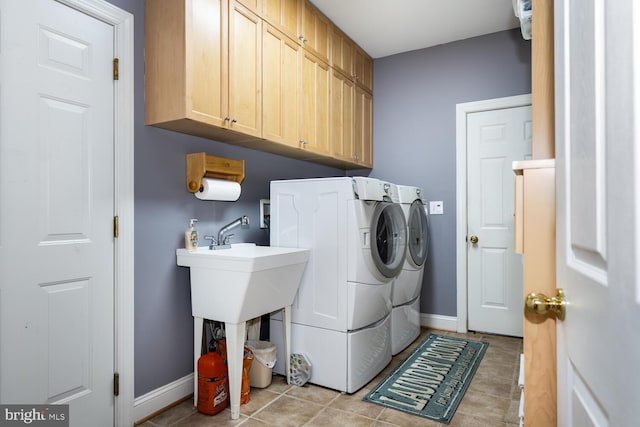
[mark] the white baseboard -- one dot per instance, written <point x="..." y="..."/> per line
<point x="437" y="321"/>
<point x="162" y="397"/>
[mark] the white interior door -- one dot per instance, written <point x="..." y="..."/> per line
<point x="597" y="187"/>
<point x="56" y="209"/>
<point x="494" y="271"/>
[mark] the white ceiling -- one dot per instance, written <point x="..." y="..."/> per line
<point x="387" y="27"/>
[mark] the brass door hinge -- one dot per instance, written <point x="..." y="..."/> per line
<point x="116" y="227"/>
<point x="116" y="68"/>
<point x="116" y="384"/>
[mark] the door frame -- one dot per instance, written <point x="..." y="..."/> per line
<point x="122" y="22"/>
<point x="462" y="110"/>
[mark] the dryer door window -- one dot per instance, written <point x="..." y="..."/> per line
<point x="418" y="239"/>
<point x="388" y="238"/>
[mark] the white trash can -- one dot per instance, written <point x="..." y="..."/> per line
<point x="264" y="358"/>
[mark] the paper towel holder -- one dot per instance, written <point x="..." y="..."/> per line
<point x="201" y="165"/>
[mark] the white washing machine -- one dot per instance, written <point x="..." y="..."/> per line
<point x="405" y="314"/>
<point x="341" y="315"/>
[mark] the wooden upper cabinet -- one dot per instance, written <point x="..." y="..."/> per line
<point x="363" y="69"/>
<point x="342" y="52"/>
<point x="245" y="70"/>
<point x="203" y="68"/>
<point x="351" y="121"/>
<point x="316" y="31"/>
<point x="342" y="110"/>
<point x="281" y="83"/>
<point x="236" y="71"/>
<point x="285" y="15"/>
<point x="363" y="129"/>
<point x="314" y="93"/>
<point x="186" y="61"/>
<point x="255" y="6"/>
<point x="351" y="59"/>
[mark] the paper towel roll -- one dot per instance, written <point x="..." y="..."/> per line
<point x="219" y="189"/>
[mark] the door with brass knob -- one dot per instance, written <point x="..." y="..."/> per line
<point x="494" y="270"/>
<point x="540" y="304"/>
<point x="598" y="215"/>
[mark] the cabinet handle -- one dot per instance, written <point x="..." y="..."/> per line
<point x="226" y="119"/>
<point x="303" y="143"/>
<point x="234" y="121"/>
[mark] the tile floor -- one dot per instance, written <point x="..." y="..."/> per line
<point x="491" y="400"/>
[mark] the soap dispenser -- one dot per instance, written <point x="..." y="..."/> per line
<point x="191" y="236"/>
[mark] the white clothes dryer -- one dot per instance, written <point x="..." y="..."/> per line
<point x="405" y="317"/>
<point x="341" y="314"/>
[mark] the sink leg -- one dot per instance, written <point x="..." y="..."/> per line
<point x="198" y="322"/>
<point x="235" y="333"/>
<point x="286" y="326"/>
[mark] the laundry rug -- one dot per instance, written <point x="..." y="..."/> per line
<point x="432" y="381"/>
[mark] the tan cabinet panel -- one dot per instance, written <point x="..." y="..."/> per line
<point x="185" y="61"/>
<point x="364" y="69"/>
<point x="537" y="219"/>
<point x="342" y="52"/>
<point x="342" y="110"/>
<point x="255" y="6"/>
<point x="363" y="134"/>
<point x="245" y="71"/>
<point x="280" y="82"/>
<point x="285" y="15"/>
<point x="316" y="31"/>
<point x="314" y="124"/>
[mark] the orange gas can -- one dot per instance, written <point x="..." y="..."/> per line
<point x="212" y="383"/>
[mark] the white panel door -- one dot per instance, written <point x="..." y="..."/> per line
<point x="494" y="140"/>
<point x="597" y="191"/>
<point x="56" y="210"/>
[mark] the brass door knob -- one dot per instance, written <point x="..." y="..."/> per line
<point x="473" y="239"/>
<point x="541" y="304"/>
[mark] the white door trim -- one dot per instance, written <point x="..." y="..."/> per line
<point x="122" y="23"/>
<point x="461" y="190"/>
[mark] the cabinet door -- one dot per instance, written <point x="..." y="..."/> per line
<point x="363" y="69"/>
<point x="280" y="84"/>
<point x="185" y="58"/>
<point x="206" y="53"/>
<point x="245" y="71"/>
<point x="363" y="116"/>
<point x="314" y="125"/>
<point x="342" y="52"/>
<point x="342" y="109"/>
<point x="284" y="15"/>
<point x="255" y="6"/>
<point x="316" y="31"/>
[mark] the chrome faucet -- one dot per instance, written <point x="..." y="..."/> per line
<point x="222" y="242"/>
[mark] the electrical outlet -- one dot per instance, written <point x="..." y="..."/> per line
<point x="436" y="208"/>
<point x="265" y="213"/>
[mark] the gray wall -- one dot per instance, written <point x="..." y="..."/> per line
<point x="163" y="322"/>
<point x="414" y="116"/>
<point x="414" y="130"/>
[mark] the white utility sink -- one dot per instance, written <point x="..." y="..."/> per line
<point x="238" y="284"/>
<point x="242" y="282"/>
